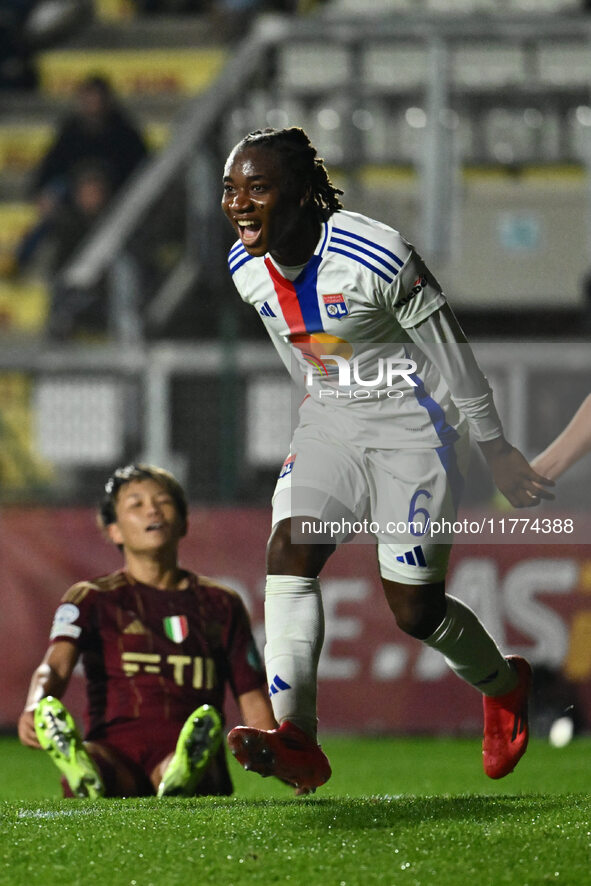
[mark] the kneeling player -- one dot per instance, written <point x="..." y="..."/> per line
<point x="158" y="645"/>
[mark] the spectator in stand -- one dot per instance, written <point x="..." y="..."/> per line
<point x="67" y="225"/>
<point x="98" y="130"/>
<point x="74" y="312"/>
<point x="53" y="240"/>
<point x="94" y="151"/>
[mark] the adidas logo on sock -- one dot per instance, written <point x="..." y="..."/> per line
<point x="277" y="684"/>
<point x="414" y="557"/>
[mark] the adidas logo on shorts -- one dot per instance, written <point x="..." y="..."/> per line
<point x="414" y="557"/>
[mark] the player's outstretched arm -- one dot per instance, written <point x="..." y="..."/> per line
<point x="513" y="475"/>
<point x="571" y="445"/>
<point x="51" y="678"/>
<point x="441" y="338"/>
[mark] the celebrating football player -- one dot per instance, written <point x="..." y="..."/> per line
<point x="383" y="435"/>
<point x="158" y="645"/>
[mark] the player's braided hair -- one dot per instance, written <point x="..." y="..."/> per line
<point x="121" y="476"/>
<point x="300" y="160"/>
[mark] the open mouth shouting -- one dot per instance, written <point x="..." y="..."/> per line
<point x="249" y="231"/>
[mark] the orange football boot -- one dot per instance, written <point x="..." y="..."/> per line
<point x="506" y="728"/>
<point x="287" y="753"/>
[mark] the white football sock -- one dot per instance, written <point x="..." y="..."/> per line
<point x="471" y="652"/>
<point x="294" y="625"/>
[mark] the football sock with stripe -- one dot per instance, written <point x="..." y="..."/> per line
<point x="294" y="625"/>
<point x="471" y="652"/>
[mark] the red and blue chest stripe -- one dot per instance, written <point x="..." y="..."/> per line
<point x="298" y="299"/>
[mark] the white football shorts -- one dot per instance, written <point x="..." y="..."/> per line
<point x="401" y="498"/>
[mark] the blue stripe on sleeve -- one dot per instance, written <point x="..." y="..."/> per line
<point x="239" y="263"/>
<point x="379" y="258"/>
<point x="383" y="249"/>
<point x="362" y="261"/>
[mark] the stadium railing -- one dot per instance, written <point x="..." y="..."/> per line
<point x="220" y="416"/>
<point x="427" y="95"/>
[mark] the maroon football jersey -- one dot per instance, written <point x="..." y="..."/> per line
<point x="155" y="654"/>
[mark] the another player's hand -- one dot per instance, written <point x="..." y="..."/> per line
<point x="26" y="729"/>
<point x="513" y="475"/>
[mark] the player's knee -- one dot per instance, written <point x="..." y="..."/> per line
<point x="418" y="609"/>
<point x="289" y="556"/>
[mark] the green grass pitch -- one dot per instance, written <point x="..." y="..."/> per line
<point x="418" y="812"/>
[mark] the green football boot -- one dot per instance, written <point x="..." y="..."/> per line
<point x="197" y="744"/>
<point x="57" y="734"/>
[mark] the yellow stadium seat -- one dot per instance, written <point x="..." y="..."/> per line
<point x="24" y="306"/>
<point x="21" y="467"/>
<point x="15" y="220"/>
<point x="24" y="302"/>
<point x="22" y="146"/>
<point x="157" y="135"/>
<point x="114" y="10"/>
<point x="132" y="71"/>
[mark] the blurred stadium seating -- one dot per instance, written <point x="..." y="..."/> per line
<point x="154" y="65"/>
<point x="466" y="124"/>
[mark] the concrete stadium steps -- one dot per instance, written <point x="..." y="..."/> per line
<point x="155" y="63"/>
<point x="155" y="31"/>
<point x="451" y="7"/>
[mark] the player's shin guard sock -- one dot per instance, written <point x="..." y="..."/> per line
<point x="294" y="625"/>
<point x="471" y="652"/>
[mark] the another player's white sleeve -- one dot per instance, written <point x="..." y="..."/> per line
<point x="442" y="340"/>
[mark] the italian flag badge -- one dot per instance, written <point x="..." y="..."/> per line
<point x="176" y="627"/>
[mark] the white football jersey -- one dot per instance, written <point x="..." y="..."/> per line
<point x="342" y="326"/>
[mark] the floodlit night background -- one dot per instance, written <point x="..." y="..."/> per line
<point x="465" y="124"/>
